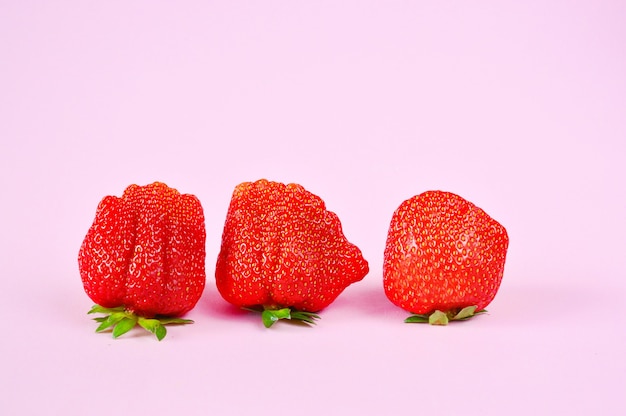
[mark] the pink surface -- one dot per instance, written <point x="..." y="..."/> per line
<point x="518" y="107"/>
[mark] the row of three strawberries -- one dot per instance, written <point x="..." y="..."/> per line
<point x="284" y="254"/>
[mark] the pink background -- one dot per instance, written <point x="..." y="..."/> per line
<point x="518" y="106"/>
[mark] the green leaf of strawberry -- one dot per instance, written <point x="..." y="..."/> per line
<point x="175" y="321"/>
<point x="124" y="325"/>
<point x="417" y="319"/>
<point x="467" y="313"/>
<point x="438" y="317"/>
<point x="154" y="326"/>
<point x="306" y="317"/>
<point x="271" y="316"/>
<point x="101" y="309"/>
<point x="111" y="320"/>
<point x="122" y="321"/>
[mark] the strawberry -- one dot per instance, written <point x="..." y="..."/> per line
<point x="283" y="253"/>
<point x="142" y="260"/>
<point x="444" y="258"/>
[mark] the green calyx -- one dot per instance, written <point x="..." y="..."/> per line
<point x="121" y="321"/>
<point x="271" y="316"/>
<point x="442" y="318"/>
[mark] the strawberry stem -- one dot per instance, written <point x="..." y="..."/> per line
<point x="271" y="315"/>
<point x="121" y="321"/>
<point x="438" y="317"/>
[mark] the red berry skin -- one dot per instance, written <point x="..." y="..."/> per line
<point x="282" y="248"/>
<point x="145" y="251"/>
<point x="443" y="253"/>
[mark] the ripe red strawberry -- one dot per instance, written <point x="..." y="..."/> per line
<point x="142" y="260"/>
<point x="284" y="253"/>
<point x="444" y="258"/>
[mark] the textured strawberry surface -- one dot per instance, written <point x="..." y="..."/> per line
<point x="282" y="248"/>
<point x="443" y="253"/>
<point x="145" y="251"/>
